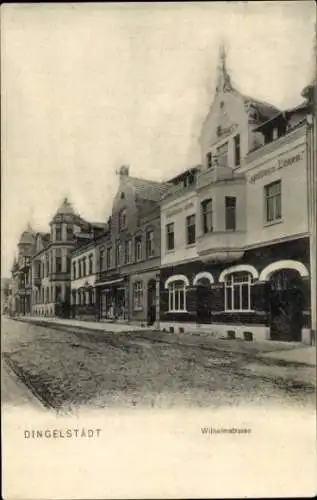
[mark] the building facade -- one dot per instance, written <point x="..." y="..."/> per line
<point x="21" y="275"/>
<point x="51" y="263"/>
<point x="128" y="255"/>
<point x="235" y="246"/>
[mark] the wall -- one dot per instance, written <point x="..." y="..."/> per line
<point x="176" y="211"/>
<point x="262" y="169"/>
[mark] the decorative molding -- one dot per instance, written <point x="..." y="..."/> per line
<point x="239" y="268"/>
<point x="202" y="275"/>
<point x="176" y="277"/>
<point x="283" y="264"/>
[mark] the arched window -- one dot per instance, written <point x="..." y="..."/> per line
<point x="238" y="291"/>
<point x="177" y="296"/>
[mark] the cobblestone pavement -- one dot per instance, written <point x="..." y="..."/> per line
<point x="68" y="368"/>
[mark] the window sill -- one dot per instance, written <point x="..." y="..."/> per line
<point x="177" y="311"/>
<point x="273" y="222"/>
<point x="172" y="250"/>
<point x="137" y="309"/>
<point x="191" y="245"/>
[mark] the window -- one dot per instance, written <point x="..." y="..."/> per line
<point x="68" y="263"/>
<point x="191" y="229"/>
<point x="83" y="261"/>
<point x="69" y="233"/>
<point x="236" y="140"/>
<point x="273" y="205"/>
<point x="58" y="293"/>
<point x="109" y="257"/>
<point x="47" y="264"/>
<point x="170" y="236"/>
<point x="138" y="295"/>
<point x="58" y="260"/>
<point x="102" y="258"/>
<point x="138" y="248"/>
<point x="209" y="159"/>
<point x="149" y="244"/>
<point x="90" y="260"/>
<point x="74" y="270"/>
<point x="58" y="233"/>
<point x="230" y="209"/>
<point x="238" y="292"/>
<point x="222" y="155"/>
<point x="127" y="251"/>
<point x="207" y="216"/>
<point x="122" y="219"/>
<point x="118" y="254"/>
<point x="177" y="296"/>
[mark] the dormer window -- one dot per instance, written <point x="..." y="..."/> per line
<point x="209" y="160"/>
<point x="123" y="219"/>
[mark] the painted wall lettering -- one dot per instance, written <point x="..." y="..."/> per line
<point x="281" y="163"/>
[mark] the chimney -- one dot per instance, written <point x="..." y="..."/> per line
<point x="123" y="171"/>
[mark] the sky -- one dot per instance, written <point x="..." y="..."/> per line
<point x="86" y="88"/>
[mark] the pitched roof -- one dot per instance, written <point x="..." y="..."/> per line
<point x="147" y="190"/>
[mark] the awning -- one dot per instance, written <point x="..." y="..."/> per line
<point x="111" y="282"/>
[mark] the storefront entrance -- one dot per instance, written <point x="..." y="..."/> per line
<point x="112" y="304"/>
<point x="286" y="305"/>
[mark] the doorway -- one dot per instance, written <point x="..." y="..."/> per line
<point x="286" y="305"/>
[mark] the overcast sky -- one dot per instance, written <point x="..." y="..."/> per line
<point x="87" y="87"/>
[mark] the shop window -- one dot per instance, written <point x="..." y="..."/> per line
<point x="273" y="201"/>
<point x="207" y="215"/>
<point x="191" y="229"/>
<point x="177" y="296"/>
<point x="230" y="213"/>
<point x="170" y="239"/>
<point x="238" y="292"/>
<point x="138" y="295"/>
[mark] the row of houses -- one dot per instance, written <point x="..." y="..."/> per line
<point x="228" y="245"/>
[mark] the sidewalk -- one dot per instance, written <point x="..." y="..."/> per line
<point x="302" y="354"/>
<point x="89" y="325"/>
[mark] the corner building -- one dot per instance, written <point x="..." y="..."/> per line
<point x="235" y="240"/>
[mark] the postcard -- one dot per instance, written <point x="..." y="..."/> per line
<point x="159" y="216"/>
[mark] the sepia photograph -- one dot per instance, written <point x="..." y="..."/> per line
<point x="159" y="248"/>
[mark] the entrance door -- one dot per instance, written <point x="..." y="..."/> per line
<point x="120" y="304"/>
<point x="203" y="302"/>
<point x="151" y="302"/>
<point x="286" y="305"/>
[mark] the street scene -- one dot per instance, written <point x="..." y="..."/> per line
<point x="66" y="368"/>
